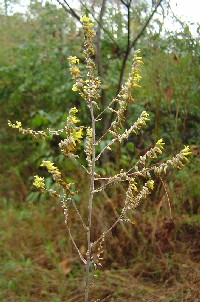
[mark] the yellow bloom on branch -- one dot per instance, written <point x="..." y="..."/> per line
<point x="78" y="134"/>
<point x="74" y="88"/>
<point x="86" y="20"/>
<point x="150" y="184"/>
<point x="17" y="124"/>
<point x="75" y="71"/>
<point x="73" y="110"/>
<point x="39" y="182"/>
<point x="186" y="151"/>
<point x="159" y="146"/>
<point x="51" y="168"/>
<point x="73" y="60"/>
<point x="72" y="118"/>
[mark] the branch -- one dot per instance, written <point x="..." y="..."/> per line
<point x="132" y="44"/>
<point x="106" y="147"/>
<point x="106" y="232"/>
<point x="127" y="49"/>
<point x="168" y="200"/>
<point x="121" y="177"/>
<point x="175" y="17"/>
<point x="107" y="107"/>
<point x="70" y="155"/>
<point x="123" y="2"/>
<point x="129" y="18"/>
<point x="79" y="215"/>
<point x="76" y="247"/>
<point x="127" y="52"/>
<point x="70" y="11"/>
<point x="145" y="25"/>
<point x="75" y="15"/>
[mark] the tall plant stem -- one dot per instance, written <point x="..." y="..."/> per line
<point x="87" y="280"/>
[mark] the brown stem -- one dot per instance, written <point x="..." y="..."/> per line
<point x="92" y="178"/>
<point x="76" y="247"/>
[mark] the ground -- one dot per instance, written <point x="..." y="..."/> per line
<point x="38" y="262"/>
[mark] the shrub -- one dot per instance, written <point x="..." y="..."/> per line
<point x="138" y="180"/>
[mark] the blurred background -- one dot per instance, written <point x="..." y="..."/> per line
<point x="156" y="257"/>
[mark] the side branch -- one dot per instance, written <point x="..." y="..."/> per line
<point x="141" y="121"/>
<point x="106" y="232"/>
<point x="145" y="25"/>
<point x="76" y="247"/>
<point x="70" y="10"/>
<point x="130" y="45"/>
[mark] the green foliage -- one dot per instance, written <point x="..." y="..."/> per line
<point x="171" y="77"/>
<point x="139" y="177"/>
<point x="33" y="86"/>
<point x="34" y="80"/>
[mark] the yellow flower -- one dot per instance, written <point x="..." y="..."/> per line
<point x="75" y="70"/>
<point x="89" y="132"/>
<point x="78" y="134"/>
<point x="50" y="167"/>
<point x="186" y="151"/>
<point x="73" y="111"/>
<point x="133" y="185"/>
<point x="73" y="60"/>
<point x="17" y="124"/>
<point x="145" y="115"/>
<point x="159" y="146"/>
<point x="73" y="120"/>
<point x="39" y="182"/>
<point x="150" y="184"/>
<point x="75" y="88"/>
<point x="138" y="58"/>
<point x="85" y="19"/>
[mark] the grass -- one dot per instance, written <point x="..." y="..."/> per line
<point x="39" y="264"/>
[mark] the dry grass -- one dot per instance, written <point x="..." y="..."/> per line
<point x="39" y="264"/>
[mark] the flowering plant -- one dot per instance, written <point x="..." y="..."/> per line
<point x="88" y="88"/>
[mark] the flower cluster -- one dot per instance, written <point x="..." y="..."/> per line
<point x="141" y="121"/>
<point x="73" y="133"/>
<point x="18" y="125"/>
<point x="86" y="21"/>
<point x="176" y="162"/>
<point x="75" y="71"/>
<point x="133" y="199"/>
<point x="88" y="88"/>
<point x="88" y="146"/>
<point x="39" y="182"/>
<point x="56" y="174"/>
<point x="152" y="153"/>
<point x="125" y="95"/>
<point x="97" y="259"/>
<point x="51" y="169"/>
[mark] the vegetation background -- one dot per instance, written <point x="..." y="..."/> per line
<point x="156" y="258"/>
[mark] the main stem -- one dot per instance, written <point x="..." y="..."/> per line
<point x="90" y="207"/>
